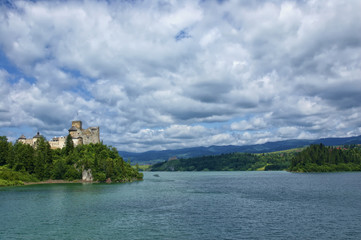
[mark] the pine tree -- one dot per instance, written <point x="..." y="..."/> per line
<point x="69" y="145"/>
<point x="4" y="150"/>
<point x="42" y="159"/>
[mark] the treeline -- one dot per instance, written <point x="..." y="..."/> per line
<point x="229" y="162"/>
<point x="21" y="161"/>
<point x="315" y="158"/>
<point x="320" y="158"/>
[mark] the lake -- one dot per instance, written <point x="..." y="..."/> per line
<point x="189" y="205"/>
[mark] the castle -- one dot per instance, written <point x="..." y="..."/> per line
<point x="79" y="135"/>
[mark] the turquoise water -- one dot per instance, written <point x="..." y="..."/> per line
<point x="189" y="205"/>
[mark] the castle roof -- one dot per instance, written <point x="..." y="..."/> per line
<point x="38" y="135"/>
<point x="73" y="129"/>
<point x="22" y="137"/>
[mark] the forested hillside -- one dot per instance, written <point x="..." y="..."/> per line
<point x="315" y="158"/>
<point x="229" y="162"/>
<point x="21" y="162"/>
<point x="320" y="158"/>
<point x="153" y="157"/>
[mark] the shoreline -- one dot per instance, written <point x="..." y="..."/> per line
<point x="18" y="183"/>
<point x="51" y="181"/>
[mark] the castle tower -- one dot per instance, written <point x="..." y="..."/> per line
<point x="77" y="124"/>
<point x="73" y="131"/>
<point x="22" y="138"/>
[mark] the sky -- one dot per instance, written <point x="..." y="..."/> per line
<point x="156" y="75"/>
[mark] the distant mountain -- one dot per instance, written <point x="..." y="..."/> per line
<point x="152" y="157"/>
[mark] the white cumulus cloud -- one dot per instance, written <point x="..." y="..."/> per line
<point x="172" y="74"/>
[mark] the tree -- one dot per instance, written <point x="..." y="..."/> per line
<point x="59" y="168"/>
<point x="4" y="150"/>
<point x="22" y="157"/>
<point x="43" y="159"/>
<point x="69" y="145"/>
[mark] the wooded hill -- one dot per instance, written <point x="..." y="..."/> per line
<point x="152" y="157"/>
<point x="320" y="158"/>
<point x="315" y="158"/>
<point x="229" y="162"/>
<point x="22" y="163"/>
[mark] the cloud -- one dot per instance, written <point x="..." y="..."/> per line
<point x="160" y="75"/>
<point x="253" y="124"/>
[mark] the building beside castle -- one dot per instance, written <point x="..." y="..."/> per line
<point x="79" y="135"/>
<point x="30" y="141"/>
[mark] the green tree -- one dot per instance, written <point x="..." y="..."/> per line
<point x="72" y="173"/>
<point x="69" y="145"/>
<point x="22" y="157"/>
<point x="4" y="150"/>
<point x="59" y="168"/>
<point x="43" y="159"/>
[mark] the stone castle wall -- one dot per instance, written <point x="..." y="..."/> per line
<point x="29" y="141"/>
<point x="57" y="142"/>
<point x="84" y="136"/>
